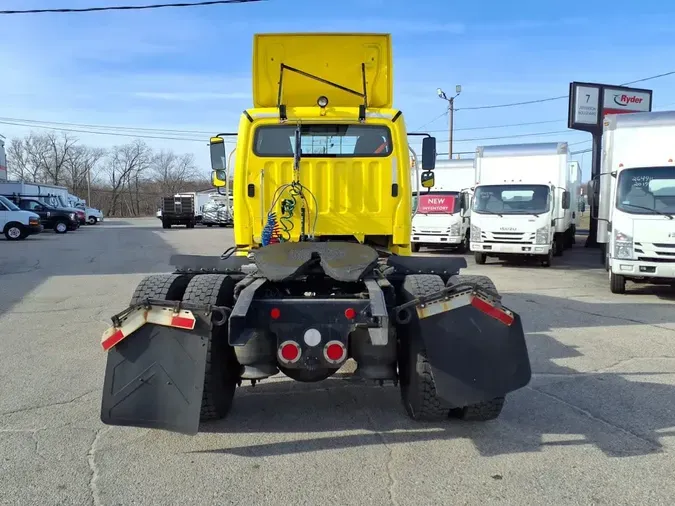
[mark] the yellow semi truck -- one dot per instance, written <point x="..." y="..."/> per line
<point x="321" y="270"/>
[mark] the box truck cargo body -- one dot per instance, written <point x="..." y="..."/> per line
<point x="636" y="220"/>
<point x="442" y="213"/>
<point x="521" y="202"/>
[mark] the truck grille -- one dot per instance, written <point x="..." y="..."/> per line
<point x="655" y="252"/>
<point x="510" y="237"/>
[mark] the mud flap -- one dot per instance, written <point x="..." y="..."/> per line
<point x="154" y="378"/>
<point x="477" y="351"/>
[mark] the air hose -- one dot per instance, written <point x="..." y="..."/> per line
<point x="270" y="233"/>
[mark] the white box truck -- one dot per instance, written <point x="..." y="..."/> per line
<point x="521" y="202"/>
<point x="636" y="218"/>
<point x="441" y="214"/>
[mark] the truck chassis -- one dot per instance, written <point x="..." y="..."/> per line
<point x="189" y="338"/>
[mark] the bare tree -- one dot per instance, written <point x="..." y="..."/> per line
<point x="172" y="171"/>
<point x="25" y="158"/>
<point x="55" y="158"/>
<point x="82" y="164"/>
<point x="125" y="181"/>
<point x="124" y="165"/>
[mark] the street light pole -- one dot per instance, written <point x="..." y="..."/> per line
<point x="451" y="113"/>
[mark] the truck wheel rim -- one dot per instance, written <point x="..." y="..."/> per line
<point x="14" y="233"/>
<point x="60" y="227"/>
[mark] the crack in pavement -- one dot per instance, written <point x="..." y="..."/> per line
<point x="391" y="490"/>
<point x="91" y="454"/>
<point x="60" y="403"/>
<point x="653" y="445"/>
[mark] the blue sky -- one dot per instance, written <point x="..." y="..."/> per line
<point x="188" y="69"/>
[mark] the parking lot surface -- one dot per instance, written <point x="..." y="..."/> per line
<point x="596" y="425"/>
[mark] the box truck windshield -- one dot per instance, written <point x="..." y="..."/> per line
<point x="646" y="190"/>
<point x="437" y="202"/>
<point x="512" y="199"/>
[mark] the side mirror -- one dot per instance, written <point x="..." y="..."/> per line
<point x="429" y="153"/>
<point x="217" y="145"/>
<point x="218" y="178"/>
<point x="427" y="179"/>
<point x="592" y="190"/>
<point x="566" y="200"/>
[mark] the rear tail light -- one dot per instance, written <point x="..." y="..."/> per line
<point x="504" y="316"/>
<point x="289" y="352"/>
<point x="334" y="352"/>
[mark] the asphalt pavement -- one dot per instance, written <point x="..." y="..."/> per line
<point x="595" y="426"/>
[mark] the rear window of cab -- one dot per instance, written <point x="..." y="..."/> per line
<point x="332" y="141"/>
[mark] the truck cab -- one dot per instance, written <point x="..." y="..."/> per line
<point x="521" y="202"/>
<point x="636" y="221"/>
<point x="442" y="213"/>
<point x="322" y="154"/>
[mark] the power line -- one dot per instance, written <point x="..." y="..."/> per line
<point x="128" y="7"/>
<point x="501" y="126"/>
<point x="533" y="134"/>
<point x="514" y="104"/>
<point x="94" y="132"/>
<point x="107" y="127"/>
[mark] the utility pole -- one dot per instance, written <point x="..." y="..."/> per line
<point x="451" y="113"/>
<point x="89" y="204"/>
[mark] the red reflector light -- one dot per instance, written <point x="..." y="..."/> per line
<point x="334" y="352"/>
<point x="350" y="313"/>
<point x="490" y="310"/>
<point x="275" y="313"/>
<point x="290" y="352"/>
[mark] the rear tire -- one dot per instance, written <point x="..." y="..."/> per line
<point x="418" y="389"/>
<point x="481" y="412"/>
<point x="482" y="281"/>
<point x="480" y="258"/>
<point x="160" y="286"/>
<point x="222" y="368"/>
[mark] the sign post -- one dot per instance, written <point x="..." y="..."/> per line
<point x="589" y="103"/>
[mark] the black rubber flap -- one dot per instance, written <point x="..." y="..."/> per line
<point x="342" y="261"/>
<point x="474" y="357"/>
<point x="154" y="379"/>
<point x="426" y="264"/>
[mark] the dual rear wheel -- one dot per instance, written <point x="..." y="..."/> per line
<point x="416" y="381"/>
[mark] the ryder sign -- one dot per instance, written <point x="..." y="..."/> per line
<point x="589" y="103"/>
<point x="436" y="204"/>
